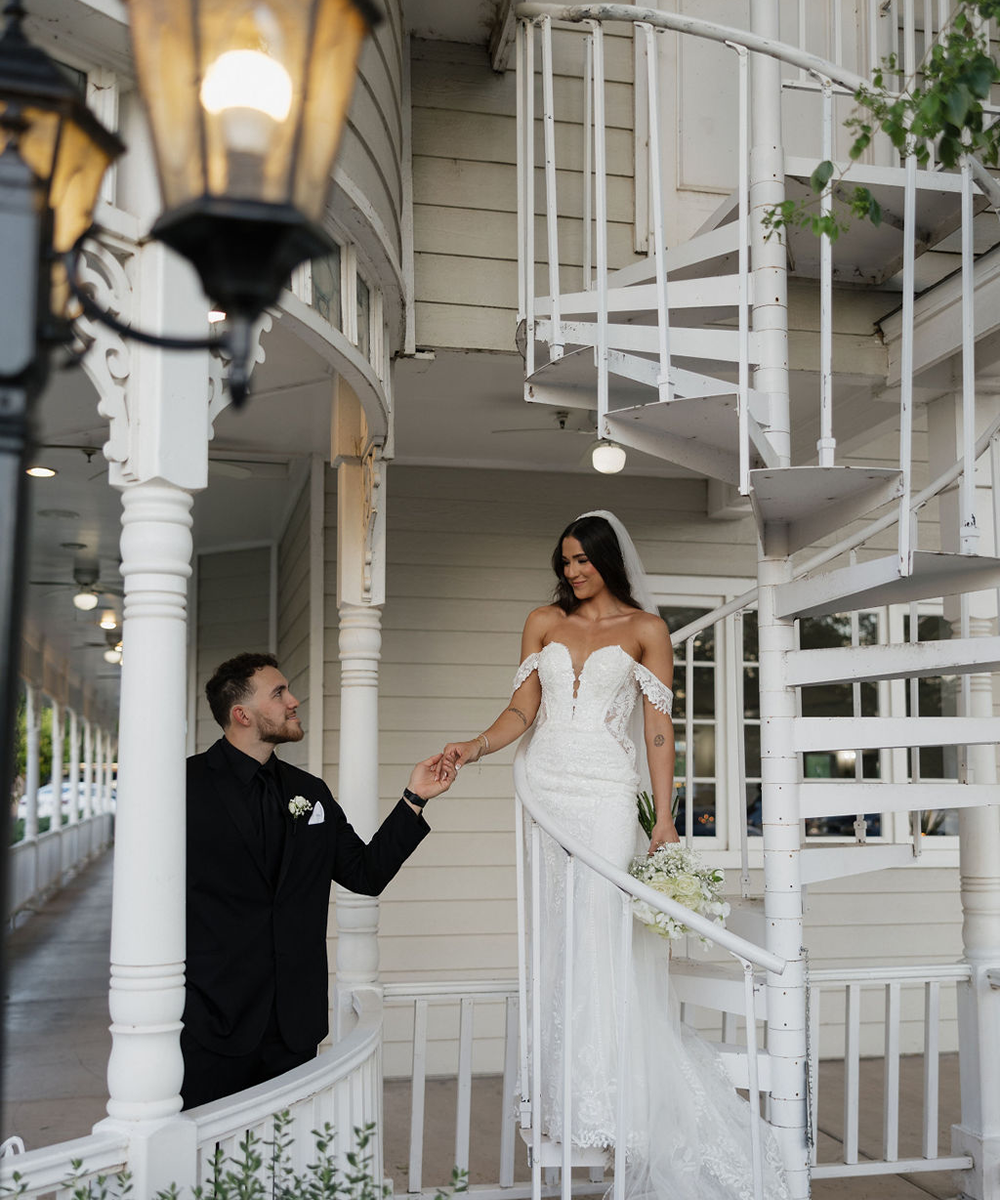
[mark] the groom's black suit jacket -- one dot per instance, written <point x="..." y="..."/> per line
<point x="250" y="943"/>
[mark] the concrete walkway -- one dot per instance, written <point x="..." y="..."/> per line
<point x="57" y="1046"/>
<point x="56" y="1039"/>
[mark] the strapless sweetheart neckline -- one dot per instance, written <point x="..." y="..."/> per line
<point x="578" y="673"/>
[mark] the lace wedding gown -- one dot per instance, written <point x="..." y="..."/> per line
<point x="689" y="1132"/>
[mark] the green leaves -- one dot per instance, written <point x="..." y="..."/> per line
<point x="937" y="112"/>
<point x="262" y="1170"/>
<point x="821" y="176"/>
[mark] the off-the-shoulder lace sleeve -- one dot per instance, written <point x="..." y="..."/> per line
<point x="524" y="670"/>
<point x="655" y="690"/>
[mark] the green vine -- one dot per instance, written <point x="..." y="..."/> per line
<point x="939" y="108"/>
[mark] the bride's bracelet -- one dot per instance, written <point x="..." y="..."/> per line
<point x="484" y="743"/>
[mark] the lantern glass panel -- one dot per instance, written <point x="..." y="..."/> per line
<point x="336" y="44"/>
<point x="164" y="48"/>
<point x="253" y="56"/>
<point x="37" y="142"/>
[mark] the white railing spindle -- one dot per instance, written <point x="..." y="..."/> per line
<point x="463" y="1117"/>
<point x="664" y="387"/>
<point x="890" y="1123"/>
<point x="624" y="972"/>
<point x="418" y="1094"/>
<point x="932" y="1066"/>
<point x="852" y="1063"/>
<point x="567" y="1049"/>
<point x="551" y="203"/>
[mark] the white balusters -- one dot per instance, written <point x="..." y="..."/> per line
<point x="551" y="202"/>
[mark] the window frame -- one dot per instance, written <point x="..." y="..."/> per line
<point x="712" y="591"/>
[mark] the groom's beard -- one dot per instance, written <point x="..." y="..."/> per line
<point x="277" y="733"/>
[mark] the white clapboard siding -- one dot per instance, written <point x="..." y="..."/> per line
<point x="465" y="184"/>
<point x="233" y="614"/>
<point x="293" y="615"/>
<point x="371" y="150"/>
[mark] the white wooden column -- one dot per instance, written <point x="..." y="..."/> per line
<point x="360" y="595"/>
<point x="32" y="717"/>
<point x="58" y="723"/>
<point x="74" y="767"/>
<point x="786" y="994"/>
<point x="768" y="258"/>
<point x="978" y="1134"/>
<point x="108" y="759"/>
<point x="88" y="769"/>
<point x="147" y="925"/>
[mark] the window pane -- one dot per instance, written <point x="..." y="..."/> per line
<point x="704" y="810"/>
<point x="752" y="743"/>
<point x="704" y="691"/>
<point x="755" y="810"/>
<point x="364" y="317"/>
<point x="326" y="288"/>
<point x="751" y="692"/>
<point x="750" y="636"/>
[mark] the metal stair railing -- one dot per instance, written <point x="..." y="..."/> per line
<point x="641" y="355"/>
<point x="531" y="821"/>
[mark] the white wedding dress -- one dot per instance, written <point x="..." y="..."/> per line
<point x="689" y="1131"/>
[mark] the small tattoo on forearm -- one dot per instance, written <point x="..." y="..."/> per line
<point x="517" y="713"/>
<point x="659" y="740"/>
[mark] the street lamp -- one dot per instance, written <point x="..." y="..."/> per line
<point x="246" y="102"/>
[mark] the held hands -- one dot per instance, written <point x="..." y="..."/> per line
<point x="663" y="832"/>
<point x="432" y="777"/>
<point x="457" y="754"/>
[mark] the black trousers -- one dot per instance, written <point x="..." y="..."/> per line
<point x="209" y="1076"/>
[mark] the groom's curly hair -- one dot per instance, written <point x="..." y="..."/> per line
<point x="231" y="683"/>
<point x="600" y="544"/>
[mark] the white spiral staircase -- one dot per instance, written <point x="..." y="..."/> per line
<point x="684" y="359"/>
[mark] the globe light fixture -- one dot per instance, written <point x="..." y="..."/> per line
<point x="85" y="600"/>
<point x="40" y="472"/>
<point x="607" y="457"/>
<point x="113" y="655"/>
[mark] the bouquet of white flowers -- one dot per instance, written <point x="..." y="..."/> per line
<point x="681" y="875"/>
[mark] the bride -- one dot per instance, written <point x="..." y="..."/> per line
<point x="586" y="659"/>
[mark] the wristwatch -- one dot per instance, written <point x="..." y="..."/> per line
<point x="413" y="798"/>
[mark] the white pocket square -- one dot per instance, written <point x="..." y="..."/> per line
<point x="317" y="816"/>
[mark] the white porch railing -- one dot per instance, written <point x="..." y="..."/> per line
<point x="341" y="1086"/>
<point x="39" y="865"/>
<point x="468" y="996"/>
<point x="897" y="985"/>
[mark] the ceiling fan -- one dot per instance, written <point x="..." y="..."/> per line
<point x="86" y="579"/>
<point x="579" y="421"/>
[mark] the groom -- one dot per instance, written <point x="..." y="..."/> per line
<point x="264" y="841"/>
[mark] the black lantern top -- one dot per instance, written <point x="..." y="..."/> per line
<point x="46" y="121"/>
<point x="247" y="100"/>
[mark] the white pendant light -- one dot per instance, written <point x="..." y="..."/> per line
<point x="608" y="457"/>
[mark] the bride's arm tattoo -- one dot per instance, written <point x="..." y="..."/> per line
<point x="517" y="713"/>
<point x="659" y="740"/>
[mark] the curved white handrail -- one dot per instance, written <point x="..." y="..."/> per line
<point x="107" y="1150"/>
<point x="945" y="479"/>
<point x="721" y="936"/>
<point x="232" y="1114"/>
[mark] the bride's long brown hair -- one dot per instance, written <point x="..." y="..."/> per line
<point x="599" y="543"/>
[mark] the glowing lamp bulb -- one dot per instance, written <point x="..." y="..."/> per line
<point x="250" y="91"/>
<point x="85" y="601"/>
<point x="608" y="458"/>
<point x="108" y="620"/>
<point x="112" y="656"/>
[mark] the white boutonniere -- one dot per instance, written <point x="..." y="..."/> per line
<point x="298" y="806"/>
